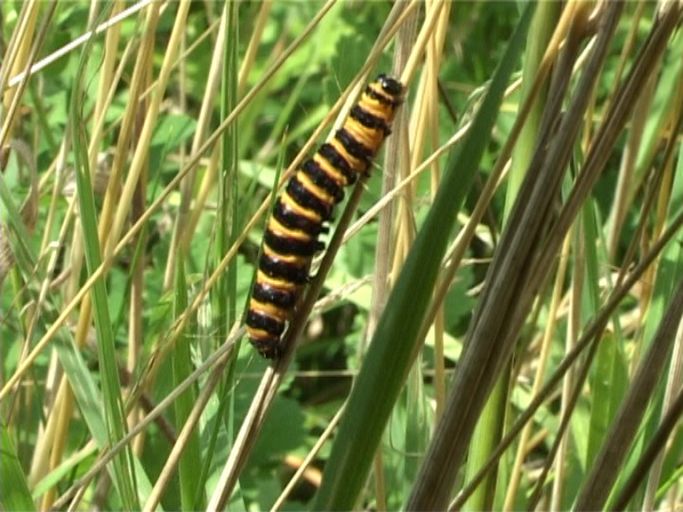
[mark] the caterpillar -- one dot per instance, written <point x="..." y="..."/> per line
<point x="306" y="204"/>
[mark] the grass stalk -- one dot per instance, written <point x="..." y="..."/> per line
<point x="343" y="476"/>
<point x="482" y="360"/>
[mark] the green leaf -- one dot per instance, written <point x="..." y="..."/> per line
<point x="115" y="420"/>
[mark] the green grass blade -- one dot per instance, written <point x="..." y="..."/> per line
<point x="189" y="466"/>
<point x="14" y="493"/>
<point x="228" y="227"/>
<point x="227" y="179"/>
<point x="89" y="400"/>
<point x="671" y="256"/>
<point x="608" y="377"/>
<point x="490" y="425"/>
<point x="669" y="272"/>
<point x="667" y="90"/>
<point x="390" y="354"/>
<point x="540" y="32"/>
<point x="111" y="385"/>
<point x="23" y="251"/>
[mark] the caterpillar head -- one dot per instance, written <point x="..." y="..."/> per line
<point x="390" y="86"/>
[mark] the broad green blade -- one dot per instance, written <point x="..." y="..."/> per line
<point x="390" y="354"/>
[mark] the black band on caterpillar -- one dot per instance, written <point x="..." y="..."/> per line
<point x="269" y="324"/>
<point x="354" y="147"/>
<point x="369" y="120"/>
<point x="307" y="200"/>
<point x="337" y="161"/>
<point x="291" y="246"/>
<point x="268" y="295"/>
<point x="281" y="269"/>
<point x="290" y="219"/>
<point x="318" y="176"/>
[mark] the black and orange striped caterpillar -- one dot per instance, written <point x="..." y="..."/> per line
<point x="306" y="204"/>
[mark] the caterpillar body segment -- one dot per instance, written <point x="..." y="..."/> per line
<point x="306" y="204"/>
